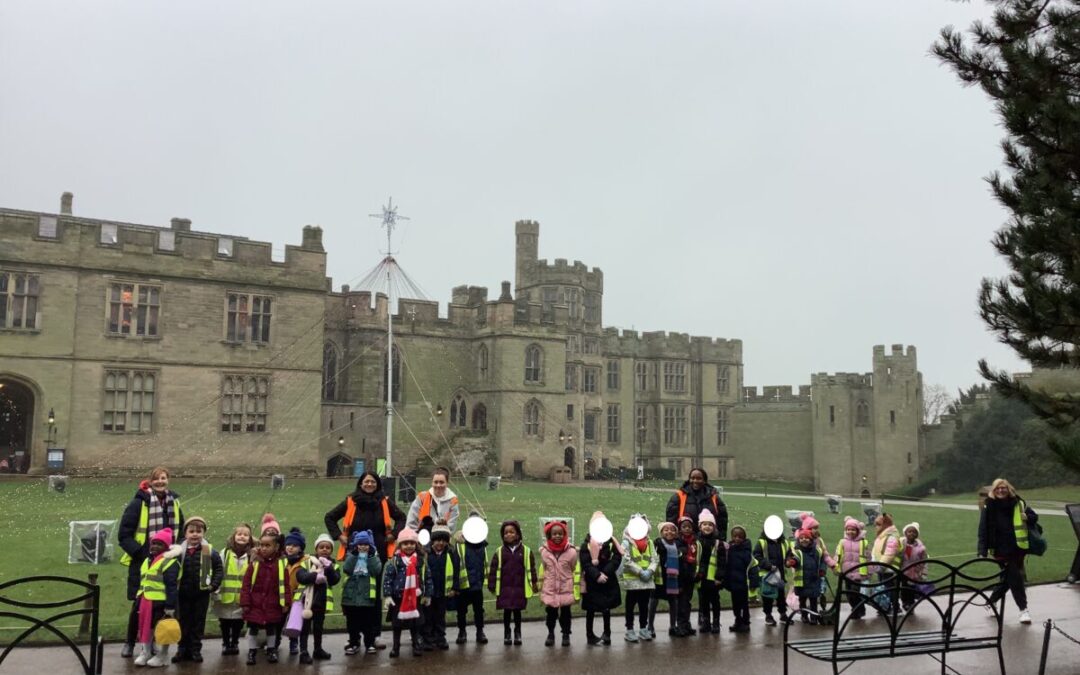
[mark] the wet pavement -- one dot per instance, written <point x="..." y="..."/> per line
<point x="761" y="651"/>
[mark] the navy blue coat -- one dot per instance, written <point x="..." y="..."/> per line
<point x="741" y="573"/>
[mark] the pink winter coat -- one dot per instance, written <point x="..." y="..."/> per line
<point x="914" y="553"/>
<point x="557" y="589"/>
<point x="847" y="556"/>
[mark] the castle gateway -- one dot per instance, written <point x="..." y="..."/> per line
<point x="150" y="344"/>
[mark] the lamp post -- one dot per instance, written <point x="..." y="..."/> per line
<point x="54" y="458"/>
<point x="639" y="438"/>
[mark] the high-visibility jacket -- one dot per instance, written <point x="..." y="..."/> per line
<point x="639" y="558"/>
<point x="142" y="531"/>
<point x="682" y="503"/>
<point x="280" y="578"/>
<point x="152" y="581"/>
<point x="235" y="566"/>
<point x="448" y="574"/>
<point x="785" y="547"/>
<point x="1019" y="526"/>
<point x="540" y="578"/>
<point x="425" y="504"/>
<point x="206" y="567"/>
<point x="350" y="513"/>
<point x="529" y="565"/>
<point x="463" y="572"/>
<point x="863" y="545"/>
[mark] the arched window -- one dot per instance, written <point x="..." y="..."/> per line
<point x="723" y="379"/>
<point x="482" y="363"/>
<point x="862" y="414"/>
<point x="329" y="372"/>
<point x="532" y="418"/>
<point x="459" y="413"/>
<point x="479" y="417"/>
<point x="462" y="415"/>
<point x="453" y="414"/>
<point x="396" y="394"/>
<point x="534" y="361"/>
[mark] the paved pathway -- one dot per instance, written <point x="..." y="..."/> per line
<point x="759" y="652"/>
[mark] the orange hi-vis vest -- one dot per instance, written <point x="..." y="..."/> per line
<point x="350" y="513"/>
<point x="682" y="504"/>
<point x="425" y="504"/>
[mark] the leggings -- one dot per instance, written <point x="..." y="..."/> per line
<point x="673" y="610"/>
<point x="561" y="615"/>
<point x="590" y="614"/>
<point x="709" y="603"/>
<point x="273" y="629"/>
<point x="312" y="626"/>
<point x="514" y="614"/>
<point x="230" y="631"/>
<point x="638" y="600"/>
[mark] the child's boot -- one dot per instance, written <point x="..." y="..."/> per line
<point x="320" y="654"/>
<point x="418" y="644"/>
<point x="144" y="654"/>
<point x="566" y="639"/>
<point x="305" y="658"/>
<point x="716" y="621"/>
<point x="480" y="637"/>
<point x="251" y="656"/>
<point x="395" y="649"/>
<point x="517" y="636"/>
<point x="462" y="638"/>
<point x="161" y="659"/>
<point x="271" y="654"/>
<point x="507" y="640"/>
<point x="704" y="626"/>
<point x="550" y="641"/>
<point x="294" y="646"/>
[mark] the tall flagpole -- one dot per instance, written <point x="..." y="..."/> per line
<point x="389" y="217"/>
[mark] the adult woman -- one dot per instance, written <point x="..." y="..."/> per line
<point x="695" y="496"/>
<point x="887" y="551"/>
<point x="1003" y="534"/>
<point x="153" y="508"/>
<point x="366" y="509"/>
<point x="438" y="503"/>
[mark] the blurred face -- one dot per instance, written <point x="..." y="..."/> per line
<point x="510" y="535"/>
<point x="558" y="534"/>
<point x="438" y="546"/>
<point x="911" y="535"/>
<point x="668" y="533"/>
<point x="408" y="547"/>
<point x="879" y="522"/>
<point x="194" y="533"/>
<point x="738" y="535"/>
<point x="438" y="485"/>
<point x="1001" y="491"/>
<point x="851" y="532"/>
<point x="324" y="549"/>
<point x="697" y="479"/>
<point x="707" y="528"/>
<point x="369" y="484"/>
<point x="686" y="528"/>
<point x="805" y="541"/>
<point x="242" y="536"/>
<point x="159" y="482"/>
<point x="273" y="531"/>
<point x="157" y="547"/>
<point x="293" y="549"/>
<point x="268" y="546"/>
<point x="363" y="548"/>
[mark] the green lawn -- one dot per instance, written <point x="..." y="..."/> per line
<point x="35" y="521"/>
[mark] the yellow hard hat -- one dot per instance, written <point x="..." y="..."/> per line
<point x="167" y="632"/>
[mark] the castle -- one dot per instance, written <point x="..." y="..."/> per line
<point x="147" y="344"/>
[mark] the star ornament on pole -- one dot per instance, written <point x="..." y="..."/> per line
<point x="389" y="218"/>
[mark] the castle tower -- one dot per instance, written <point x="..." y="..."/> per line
<point x="526" y="251"/>
<point x="843" y="432"/>
<point x="897" y="413"/>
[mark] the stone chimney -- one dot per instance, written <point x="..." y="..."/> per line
<point x="181" y="224"/>
<point x="505" y="292"/>
<point x="65" y="203"/>
<point x="312" y="238"/>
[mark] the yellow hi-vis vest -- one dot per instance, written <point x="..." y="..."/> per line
<point x="280" y="578"/>
<point x="141" y="534"/>
<point x="863" y="545"/>
<point x="639" y="558"/>
<point x="463" y="572"/>
<point x="152" y="581"/>
<point x="529" y="565"/>
<point x="1019" y="526"/>
<point x="235" y="566"/>
<point x="206" y="565"/>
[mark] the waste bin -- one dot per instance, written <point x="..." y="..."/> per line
<point x="493" y="482"/>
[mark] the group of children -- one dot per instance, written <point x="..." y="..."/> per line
<point x="256" y="582"/>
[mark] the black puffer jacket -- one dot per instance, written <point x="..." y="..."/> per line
<point x="705" y="499"/>
<point x="368" y="516"/>
<point x="996" y="534"/>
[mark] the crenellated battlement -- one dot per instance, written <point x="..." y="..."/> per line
<point x="657" y="344"/>
<point x="562" y="273"/>
<point x="841" y="380"/>
<point x="776" y="394"/>
<point x="898" y="362"/>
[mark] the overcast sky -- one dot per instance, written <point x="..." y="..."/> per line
<point x="800" y="175"/>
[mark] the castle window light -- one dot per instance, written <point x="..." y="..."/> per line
<point x="892" y="418"/>
<point x="225" y="246"/>
<point x="395" y="394"/>
<point x="723" y="379"/>
<point x="479" y="417"/>
<point x="247" y="317"/>
<point x="832" y="415"/>
<point x="352" y="419"/>
<point x="654" y="370"/>
<point x="909" y="458"/>
<point x="453" y="414"/>
<point x="19" y="294"/>
<point x="613" y="375"/>
<point x="571" y="377"/>
<point x="573" y="344"/>
<point x="534" y="362"/>
<point x="330" y="372"/>
<point x="128" y="401"/>
<point x="675" y="425"/>
<point x="330" y="423"/>
<point x="592" y="307"/>
<point x="592" y="345"/>
<point x="590" y="380"/>
<point x="722" y="467"/>
<point x="613" y="423"/>
<point x="482" y="363"/>
<point x="572" y="302"/>
<point x="549" y="295"/>
<point x="570" y="411"/>
<point x="244" y="403"/>
<point x="463" y="415"/>
<point x="47" y="227"/>
<point x="108" y="234"/>
<point x="862" y="414"/>
<point x="641" y="375"/>
<point x="531" y="419"/>
<point x="674" y="376"/>
<point x="166" y="240"/>
<point x="133" y="309"/>
<point x="641" y="423"/>
<point x="721" y="427"/>
<point x="590" y="426"/>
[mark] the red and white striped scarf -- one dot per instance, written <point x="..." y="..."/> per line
<point x="408" y="608"/>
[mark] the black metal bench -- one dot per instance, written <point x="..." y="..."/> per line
<point x="931" y="628"/>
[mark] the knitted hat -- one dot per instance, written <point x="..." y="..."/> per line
<point x="686" y="519"/>
<point x="164" y="536"/>
<point x="195" y="519"/>
<point x="323" y="537"/>
<point x="853" y="522"/>
<point x="808" y="521"/>
<point x="909" y="526"/>
<point x="407" y="534"/>
<point x="269" y="522"/>
<point x="296" y="538"/>
<point x="706" y="516"/>
<point x="363" y="537"/>
<point x="804" y="532"/>
<point x="440" y="532"/>
<point x="667" y="523"/>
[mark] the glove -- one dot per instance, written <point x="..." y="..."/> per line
<point x="646" y="575"/>
<point x="388" y="603"/>
<point x="170" y="613"/>
<point x="326" y="563"/>
<point x="320" y="578"/>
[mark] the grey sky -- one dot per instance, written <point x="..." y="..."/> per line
<point x="799" y="175"/>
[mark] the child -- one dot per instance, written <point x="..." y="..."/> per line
<point x="811" y="523"/>
<point x="914" y="567"/>
<point x="317" y="578"/>
<point x="265" y="596"/>
<point x="851" y="556"/>
<point x="741" y="579"/>
<point x="671" y="552"/>
<point x="599" y="571"/>
<point x="808" y="566"/>
<point x="406" y="584"/>
<point x="443" y="567"/>
<point x="295" y="560"/>
<point x="638" y="569"/>
<point x="201" y="573"/>
<point x="157" y="596"/>
<point x="709" y="589"/>
<point x="512" y="578"/>
<point x="689" y="576"/>
<point x="771" y="554"/>
<point x="473" y="559"/>
<point x="359" y="597"/>
<point x="227" y="600"/>
<point x="269" y="526"/>
<point x="560" y="587"/>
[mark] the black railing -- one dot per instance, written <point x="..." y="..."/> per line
<point x="86" y="606"/>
